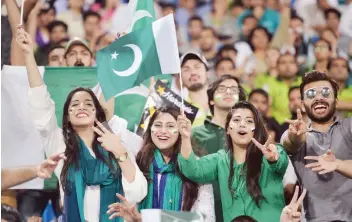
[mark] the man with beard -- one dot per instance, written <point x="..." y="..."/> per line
<point x="78" y="53"/>
<point x="295" y="102"/>
<point x="326" y="147"/>
<point x="194" y="68"/>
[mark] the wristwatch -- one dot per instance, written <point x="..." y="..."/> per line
<point x="122" y="157"/>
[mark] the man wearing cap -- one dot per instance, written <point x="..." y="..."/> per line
<point x="78" y="53"/>
<point x="194" y="69"/>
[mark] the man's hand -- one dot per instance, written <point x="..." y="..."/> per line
<point x="297" y="129"/>
<point x="325" y="163"/>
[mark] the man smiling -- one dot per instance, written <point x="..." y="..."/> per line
<point x="328" y="142"/>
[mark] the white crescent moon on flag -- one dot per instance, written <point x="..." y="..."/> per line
<point x="140" y="14"/>
<point x="136" y="63"/>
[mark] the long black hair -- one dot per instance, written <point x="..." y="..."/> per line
<point x="253" y="162"/>
<point x="72" y="139"/>
<point x="146" y="154"/>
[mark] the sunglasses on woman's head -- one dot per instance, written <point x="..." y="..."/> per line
<point x="313" y="92"/>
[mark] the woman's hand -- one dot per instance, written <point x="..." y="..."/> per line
<point x="125" y="210"/>
<point x="269" y="150"/>
<point x="290" y="213"/>
<point x="109" y="141"/>
<point x="184" y="126"/>
<point x="47" y="167"/>
<point x="24" y="40"/>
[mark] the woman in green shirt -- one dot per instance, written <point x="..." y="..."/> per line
<point x="249" y="173"/>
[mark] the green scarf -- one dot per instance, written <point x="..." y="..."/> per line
<point x="91" y="172"/>
<point x="167" y="194"/>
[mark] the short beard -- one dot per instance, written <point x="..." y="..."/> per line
<point x="196" y="87"/>
<point x="323" y="119"/>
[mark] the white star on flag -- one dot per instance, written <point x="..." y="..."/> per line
<point x="114" y="56"/>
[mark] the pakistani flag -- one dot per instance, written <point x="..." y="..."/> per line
<point x="137" y="56"/>
<point x="130" y="104"/>
<point x="143" y="13"/>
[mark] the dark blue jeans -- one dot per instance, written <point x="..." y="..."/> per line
<point x="33" y="202"/>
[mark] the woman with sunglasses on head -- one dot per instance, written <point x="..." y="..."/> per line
<point x="98" y="163"/>
<point x="168" y="188"/>
<point x="249" y="173"/>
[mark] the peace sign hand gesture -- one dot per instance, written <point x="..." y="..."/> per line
<point x="269" y="150"/>
<point x="290" y="213"/>
<point x="326" y="163"/>
<point x="125" y="210"/>
<point x="109" y="141"/>
<point x="297" y="129"/>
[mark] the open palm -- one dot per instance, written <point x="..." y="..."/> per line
<point x="125" y="210"/>
<point x="325" y="163"/>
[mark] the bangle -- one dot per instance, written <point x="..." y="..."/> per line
<point x="121" y="158"/>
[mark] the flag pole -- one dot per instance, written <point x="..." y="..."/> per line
<point x="182" y="94"/>
<point x="21" y="19"/>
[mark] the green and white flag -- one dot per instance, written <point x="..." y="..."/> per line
<point x="143" y="13"/>
<point x="133" y="100"/>
<point x="137" y="56"/>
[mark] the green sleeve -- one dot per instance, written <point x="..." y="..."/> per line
<point x="203" y="170"/>
<point x="281" y="164"/>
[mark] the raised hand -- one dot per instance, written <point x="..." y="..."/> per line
<point x="290" y="213"/>
<point x="184" y="126"/>
<point x="297" y="129"/>
<point x="269" y="150"/>
<point x="325" y="163"/>
<point x="47" y="167"/>
<point x="125" y="210"/>
<point x="109" y="141"/>
<point x="24" y="40"/>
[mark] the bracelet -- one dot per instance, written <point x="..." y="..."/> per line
<point x="123" y="157"/>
